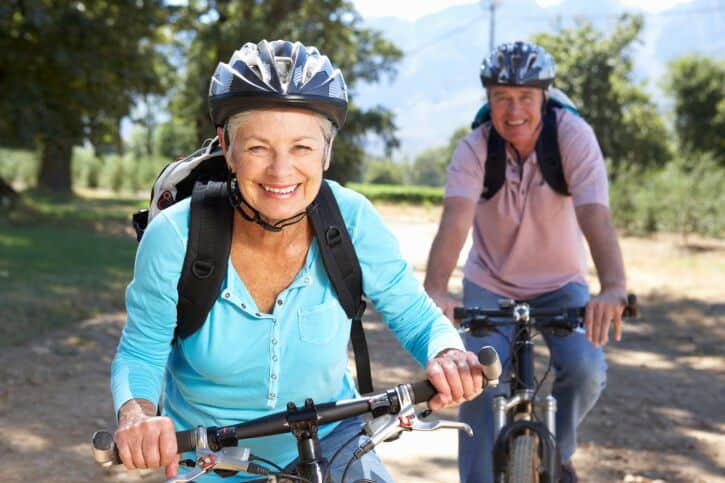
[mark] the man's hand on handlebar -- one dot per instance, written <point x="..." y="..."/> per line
<point x="145" y="440"/>
<point x="456" y="375"/>
<point x="601" y="311"/>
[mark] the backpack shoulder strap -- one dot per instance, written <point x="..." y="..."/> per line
<point x="495" y="168"/>
<point x="343" y="268"/>
<point x="207" y="255"/>
<point x="549" y="155"/>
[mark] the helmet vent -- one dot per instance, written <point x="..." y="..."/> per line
<point x="297" y="78"/>
<point x="284" y="69"/>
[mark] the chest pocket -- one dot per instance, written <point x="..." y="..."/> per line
<point x="322" y="324"/>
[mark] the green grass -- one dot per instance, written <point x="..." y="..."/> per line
<point x="62" y="260"/>
<point x="400" y="193"/>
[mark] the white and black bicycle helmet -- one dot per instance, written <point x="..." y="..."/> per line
<point x="277" y="73"/>
<point x="518" y="64"/>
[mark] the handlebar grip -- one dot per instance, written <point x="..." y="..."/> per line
<point x="488" y="357"/>
<point x="459" y="313"/>
<point x="422" y="391"/>
<point x="105" y="451"/>
<point x="186" y="441"/>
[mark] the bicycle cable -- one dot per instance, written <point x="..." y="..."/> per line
<point x="292" y="477"/>
<point x="539" y="383"/>
<point x="337" y="453"/>
<point x="264" y="460"/>
<point x="347" y="467"/>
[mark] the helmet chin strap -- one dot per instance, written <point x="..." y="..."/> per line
<point x="237" y="200"/>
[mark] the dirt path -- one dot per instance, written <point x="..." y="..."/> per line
<point x="660" y="418"/>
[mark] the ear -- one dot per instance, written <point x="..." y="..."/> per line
<point x="222" y="141"/>
<point x="328" y="154"/>
<point x="225" y="148"/>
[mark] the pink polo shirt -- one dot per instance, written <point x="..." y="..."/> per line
<point x="526" y="239"/>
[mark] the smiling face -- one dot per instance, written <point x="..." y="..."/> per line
<point x="516" y="115"/>
<point x="278" y="157"/>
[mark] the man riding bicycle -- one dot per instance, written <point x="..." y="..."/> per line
<point x="527" y="238"/>
<point x="276" y="331"/>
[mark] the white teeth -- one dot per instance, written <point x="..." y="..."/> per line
<point x="515" y="123"/>
<point x="281" y="191"/>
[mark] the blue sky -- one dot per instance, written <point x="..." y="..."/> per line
<point x="414" y="9"/>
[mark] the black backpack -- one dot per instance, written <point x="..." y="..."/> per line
<point x="547" y="149"/>
<point x="202" y="175"/>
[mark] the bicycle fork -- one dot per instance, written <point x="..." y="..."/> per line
<point x="502" y="406"/>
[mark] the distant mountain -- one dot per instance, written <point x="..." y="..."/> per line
<point x="437" y="88"/>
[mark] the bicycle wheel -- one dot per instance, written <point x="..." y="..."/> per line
<point x="523" y="463"/>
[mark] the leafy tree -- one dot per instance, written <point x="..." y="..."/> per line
<point x="173" y="139"/>
<point x="595" y="71"/>
<point x="69" y="71"/>
<point x="431" y="165"/>
<point x="697" y="85"/>
<point x="333" y="26"/>
<point x="385" y="172"/>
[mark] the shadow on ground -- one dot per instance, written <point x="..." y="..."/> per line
<point x="660" y="416"/>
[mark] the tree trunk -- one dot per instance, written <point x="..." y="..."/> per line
<point x="54" y="174"/>
<point x="8" y="196"/>
<point x="117" y="139"/>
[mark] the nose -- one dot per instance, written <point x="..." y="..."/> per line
<point x="513" y="107"/>
<point x="281" y="164"/>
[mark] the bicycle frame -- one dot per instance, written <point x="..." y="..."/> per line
<point x="514" y="415"/>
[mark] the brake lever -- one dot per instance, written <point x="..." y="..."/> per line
<point x="419" y="425"/>
<point x="189" y="476"/>
<point x="233" y="458"/>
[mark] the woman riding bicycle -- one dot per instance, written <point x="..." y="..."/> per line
<point x="276" y="332"/>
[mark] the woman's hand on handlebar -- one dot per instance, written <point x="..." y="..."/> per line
<point x="601" y="311"/>
<point x="145" y="440"/>
<point x="456" y="375"/>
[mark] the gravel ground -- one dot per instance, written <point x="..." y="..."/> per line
<point x="660" y="418"/>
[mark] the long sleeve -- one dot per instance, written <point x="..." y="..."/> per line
<point x="138" y="367"/>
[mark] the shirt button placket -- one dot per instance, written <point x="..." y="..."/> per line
<point x="274" y="356"/>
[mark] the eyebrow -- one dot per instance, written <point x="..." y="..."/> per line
<point x="253" y="137"/>
<point x="301" y="138"/>
<point x="265" y="140"/>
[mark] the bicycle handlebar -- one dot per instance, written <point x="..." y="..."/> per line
<point x="386" y="402"/>
<point x="541" y="318"/>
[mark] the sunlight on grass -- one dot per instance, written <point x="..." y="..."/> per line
<point x="62" y="260"/>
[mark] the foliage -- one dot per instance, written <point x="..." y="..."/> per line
<point x="399" y="194"/>
<point x="595" y="71"/>
<point x="70" y="71"/>
<point x="685" y="196"/>
<point x="18" y="167"/>
<point x="430" y="167"/>
<point x="120" y="174"/>
<point x="384" y="171"/>
<point x="697" y="85"/>
<point x="331" y="25"/>
<point x="173" y="139"/>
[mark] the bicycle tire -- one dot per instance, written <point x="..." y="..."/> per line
<point x="523" y="462"/>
